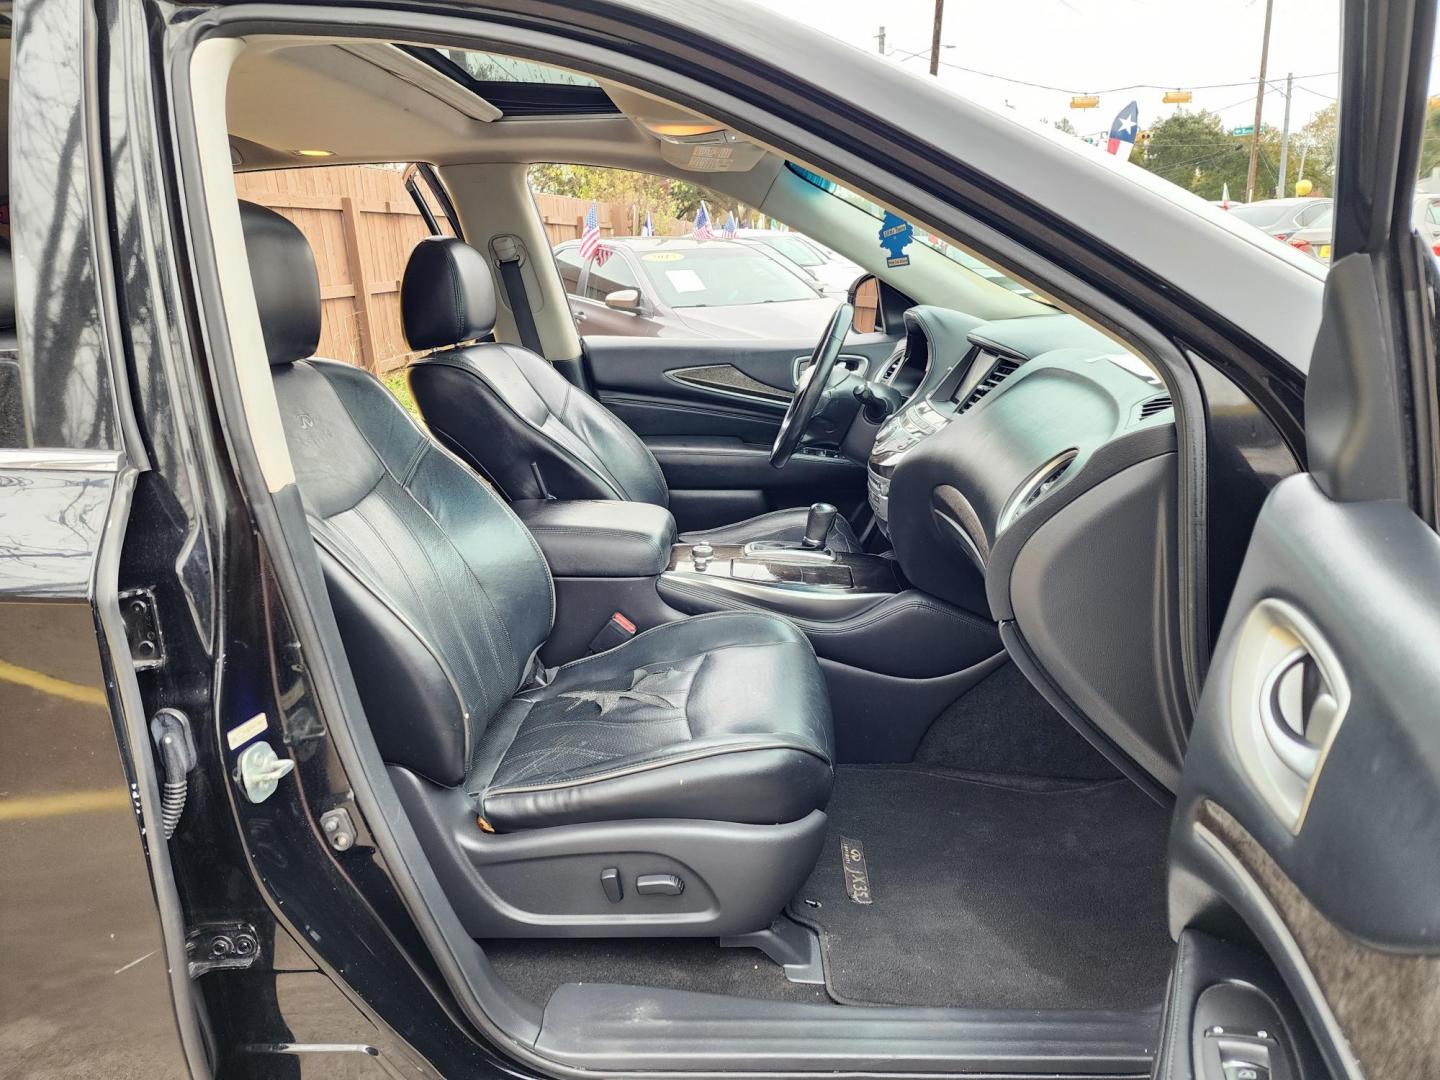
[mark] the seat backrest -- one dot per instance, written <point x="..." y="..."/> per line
<point x="441" y="595"/>
<point x="502" y="408"/>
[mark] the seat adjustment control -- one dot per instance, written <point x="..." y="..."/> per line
<point x="659" y="885"/>
<point x="610" y="882"/>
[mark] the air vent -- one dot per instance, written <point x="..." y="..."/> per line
<point x="1002" y="370"/>
<point x="1040" y="482"/>
<point x="1154" y="406"/>
<point x="897" y="361"/>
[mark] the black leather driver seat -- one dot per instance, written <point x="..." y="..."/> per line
<point x="517" y="420"/>
<point x="443" y="600"/>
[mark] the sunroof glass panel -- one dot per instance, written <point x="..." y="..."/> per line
<point x="490" y="67"/>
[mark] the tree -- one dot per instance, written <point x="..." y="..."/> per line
<point x="657" y="195"/>
<point x="1316" y="140"/>
<point x="1430" y="142"/>
<point x="1064" y="124"/>
<point x="1196" y="151"/>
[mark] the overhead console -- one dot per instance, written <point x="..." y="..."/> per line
<point x="1031" y="478"/>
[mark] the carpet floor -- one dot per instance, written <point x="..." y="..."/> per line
<point x="992" y="893"/>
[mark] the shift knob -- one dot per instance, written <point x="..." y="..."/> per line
<point x="817" y="526"/>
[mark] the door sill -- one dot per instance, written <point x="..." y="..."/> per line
<point x="631" y="1029"/>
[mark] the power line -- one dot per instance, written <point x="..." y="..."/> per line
<point x="1117" y="89"/>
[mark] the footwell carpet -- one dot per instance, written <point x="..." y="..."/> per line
<point x="991" y="893"/>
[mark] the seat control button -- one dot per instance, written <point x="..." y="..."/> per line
<point x="610" y="882"/>
<point x="659" y="885"/>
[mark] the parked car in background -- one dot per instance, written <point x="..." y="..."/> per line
<point x="1425" y="217"/>
<point x="670" y="286"/>
<point x="1281" y="218"/>
<point x="832" y="272"/>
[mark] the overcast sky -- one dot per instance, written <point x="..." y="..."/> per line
<point x="1094" y="45"/>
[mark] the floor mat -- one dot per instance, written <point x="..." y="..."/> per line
<point x="986" y="894"/>
<point x="536" y="968"/>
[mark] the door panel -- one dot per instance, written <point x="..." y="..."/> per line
<point x="1309" y="813"/>
<point x="709" y="411"/>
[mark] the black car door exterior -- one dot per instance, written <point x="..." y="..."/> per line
<point x="1309" y="815"/>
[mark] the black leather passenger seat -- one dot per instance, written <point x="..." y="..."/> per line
<point x="515" y="419"/>
<point x="443" y="600"/>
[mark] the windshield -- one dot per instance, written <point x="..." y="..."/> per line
<point x="794" y="249"/>
<point x="720" y="278"/>
<point x="930" y="240"/>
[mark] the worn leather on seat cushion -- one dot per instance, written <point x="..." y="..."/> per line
<point x="722" y="717"/>
<point x="779" y="525"/>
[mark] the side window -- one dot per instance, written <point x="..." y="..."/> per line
<point x="568" y="259"/>
<point x="362" y="222"/>
<point x="613" y="274"/>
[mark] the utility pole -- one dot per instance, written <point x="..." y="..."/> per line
<point x="880" y="40"/>
<point x="1285" y="136"/>
<point x="935" y="37"/>
<point x="1259" y="103"/>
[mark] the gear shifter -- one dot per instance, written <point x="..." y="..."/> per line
<point x="817" y="526"/>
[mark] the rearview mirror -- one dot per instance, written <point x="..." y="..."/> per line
<point x="623" y="300"/>
<point x="865" y="296"/>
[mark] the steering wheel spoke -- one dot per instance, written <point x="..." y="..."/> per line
<point x="811" y="386"/>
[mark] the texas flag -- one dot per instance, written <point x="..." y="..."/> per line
<point x="1122" y="131"/>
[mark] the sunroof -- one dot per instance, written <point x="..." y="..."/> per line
<point x="519" y="87"/>
<point x="491" y="67"/>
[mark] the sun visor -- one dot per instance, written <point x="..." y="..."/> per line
<point x="688" y="140"/>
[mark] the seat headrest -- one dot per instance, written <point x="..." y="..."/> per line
<point x="447" y="295"/>
<point x="287" y="288"/>
<point x="7" y="287"/>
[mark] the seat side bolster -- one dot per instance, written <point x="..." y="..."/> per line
<point x="412" y="703"/>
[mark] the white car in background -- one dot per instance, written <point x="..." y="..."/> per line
<point x="831" y="272"/>
<point x="1425" y="216"/>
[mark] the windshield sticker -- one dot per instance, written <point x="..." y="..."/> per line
<point x="684" y="280"/>
<point x="663" y="256"/>
<point x="896" y="235"/>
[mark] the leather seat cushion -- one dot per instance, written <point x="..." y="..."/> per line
<point x="779" y="525"/>
<point x="720" y="717"/>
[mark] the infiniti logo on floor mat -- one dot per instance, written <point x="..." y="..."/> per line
<point x="857" y="877"/>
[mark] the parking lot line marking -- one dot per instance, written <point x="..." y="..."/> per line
<point x="49" y="684"/>
<point x="69" y="802"/>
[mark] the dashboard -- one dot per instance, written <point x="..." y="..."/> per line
<point x="1030" y="477"/>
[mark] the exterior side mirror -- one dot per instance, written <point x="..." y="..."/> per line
<point x="623" y="300"/>
<point x="865" y="297"/>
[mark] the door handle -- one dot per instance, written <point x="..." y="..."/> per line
<point x="1294" y="701"/>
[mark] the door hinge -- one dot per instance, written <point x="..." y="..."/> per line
<point x="228" y="946"/>
<point x="142" y="629"/>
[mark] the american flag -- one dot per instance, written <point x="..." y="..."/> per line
<point x="702" y="223"/>
<point x="730" y="227"/>
<point x="590" y="237"/>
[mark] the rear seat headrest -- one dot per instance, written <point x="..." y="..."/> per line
<point x="447" y="295"/>
<point x="287" y="287"/>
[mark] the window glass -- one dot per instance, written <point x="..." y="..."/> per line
<point x="365" y="209"/>
<point x="568" y="259"/>
<point x="1169" y="87"/>
<point x="720" y="276"/>
<point x="613" y="274"/>
<point x="793" y="248"/>
<point x="492" y="67"/>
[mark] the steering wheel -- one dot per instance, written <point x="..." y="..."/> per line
<point x="810" y="389"/>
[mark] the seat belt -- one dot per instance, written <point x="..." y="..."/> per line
<point x="507" y="251"/>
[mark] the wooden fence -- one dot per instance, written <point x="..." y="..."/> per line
<point x="564" y="218"/>
<point x="362" y="225"/>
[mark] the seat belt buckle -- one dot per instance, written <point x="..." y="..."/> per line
<point x="616" y="631"/>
